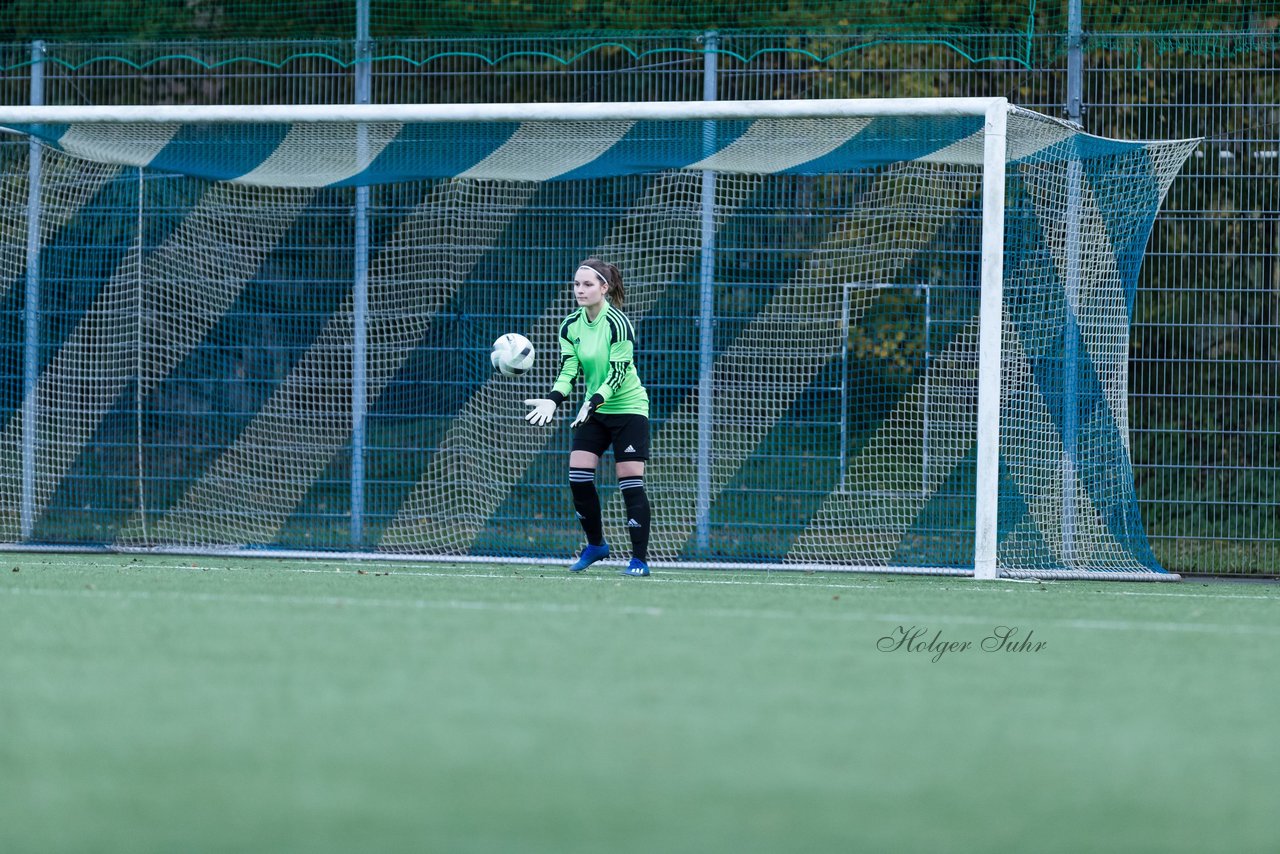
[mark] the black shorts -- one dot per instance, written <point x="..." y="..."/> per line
<point x="629" y="435"/>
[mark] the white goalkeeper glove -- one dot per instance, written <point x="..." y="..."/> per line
<point x="584" y="413"/>
<point x="540" y="414"/>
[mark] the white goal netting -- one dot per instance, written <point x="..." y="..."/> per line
<point x="213" y="341"/>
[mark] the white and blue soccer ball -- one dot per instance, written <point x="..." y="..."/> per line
<point x="512" y="354"/>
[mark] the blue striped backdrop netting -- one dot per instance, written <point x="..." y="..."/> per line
<point x="190" y="381"/>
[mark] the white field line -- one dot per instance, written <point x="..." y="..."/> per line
<point x="648" y="611"/>
<point x="554" y="574"/>
<point x="873" y="617"/>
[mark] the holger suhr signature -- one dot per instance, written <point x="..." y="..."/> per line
<point x="919" y="639"/>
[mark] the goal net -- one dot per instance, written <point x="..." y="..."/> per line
<point x="881" y="335"/>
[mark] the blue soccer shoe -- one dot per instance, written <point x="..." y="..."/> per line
<point x="636" y="569"/>
<point x="590" y="554"/>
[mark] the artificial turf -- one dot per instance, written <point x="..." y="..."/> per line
<point x="160" y="704"/>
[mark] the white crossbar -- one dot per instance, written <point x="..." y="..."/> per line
<point x="621" y="111"/>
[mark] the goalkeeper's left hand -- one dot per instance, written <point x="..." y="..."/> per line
<point x="588" y="406"/>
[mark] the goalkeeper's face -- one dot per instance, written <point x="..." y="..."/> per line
<point x="588" y="289"/>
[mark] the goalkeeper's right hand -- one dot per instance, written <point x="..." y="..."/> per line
<point x="540" y="414"/>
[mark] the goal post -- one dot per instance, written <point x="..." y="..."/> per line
<point x="990" y="332"/>
<point x="885" y="386"/>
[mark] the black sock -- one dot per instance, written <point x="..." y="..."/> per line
<point x="633" y="495"/>
<point x="582" y="483"/>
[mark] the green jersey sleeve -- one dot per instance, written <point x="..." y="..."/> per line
<point x="569" y="364"/>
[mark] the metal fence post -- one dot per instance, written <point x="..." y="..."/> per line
<point x="1071" y="324"/>
<point x="360" y="287"/>
<point x="31" y="342"/>
<point x="706" y="314"/>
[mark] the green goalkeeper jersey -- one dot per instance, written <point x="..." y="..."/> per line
<point x="604" y="351"/>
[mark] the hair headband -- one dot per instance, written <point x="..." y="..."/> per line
<point x="599" y="275"/>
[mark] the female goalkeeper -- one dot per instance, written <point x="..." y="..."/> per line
<point x="598" y="340"/>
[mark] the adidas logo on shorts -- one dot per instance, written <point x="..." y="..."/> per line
<point x="632" y="523"/>
<point x="630" y="449"/>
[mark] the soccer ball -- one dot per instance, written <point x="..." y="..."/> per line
<point x="512" y="354"/>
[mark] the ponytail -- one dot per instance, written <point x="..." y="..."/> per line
<point x="617" y="292"/>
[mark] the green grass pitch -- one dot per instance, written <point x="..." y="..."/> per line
<point x="162" y="704"/>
